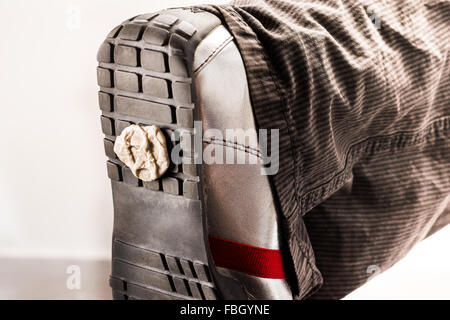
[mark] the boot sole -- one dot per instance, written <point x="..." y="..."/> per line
<point x="145" y="76"/>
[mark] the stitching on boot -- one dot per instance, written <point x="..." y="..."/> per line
<point x="214" y="54"/>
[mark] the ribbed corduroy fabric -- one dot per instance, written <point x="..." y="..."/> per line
<point x="360" y="93"/>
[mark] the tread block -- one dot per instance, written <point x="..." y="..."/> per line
<point x="155" y="87"/>
<point x="152" y="185"/>
<point x="130" y="32"/>
<point x="177" y="66"/>
<point x="172" y="264"/>
<point x="174" y="168"/>
<point x="144" y="109"/>
<point x="182" y="92"/>
<point x="107" y="125"/>
<point x="187" y="142"/>
<point x="187" y="268"/>
<point x="105" y="77"/>
<point x="190" y="169"/>
<point x="180" y="286"/>
<point x="138" y="256"/>
<point x="202" y="272"/>
<point x="177" y="42"/>
<point x="156" y="36"/>
<point x="127" y="81"/>
<point x="129" y="178"/>
<point x="136" y="274"/>
<point x="195" y="290"/>
<point x="114" y="171"/>
<point x="114" y="32"/>
<point x="165" y="20"/>
<point x="105" y="100"/>
<point x="190" y="190"/>
<point x="105" y="53"/>
<point x="153" y="60"/>
<point x="171" y="185"/>
<point x="126" y="56"/>
<point x="210" y="293"/>
<point x="109" y="148"/>
<point x="186" y="29"/>
<point x="117" y="284"/>
<point x="122" y="125"/>
<point x="145" y="17"/>
<point x="119" y="296"/>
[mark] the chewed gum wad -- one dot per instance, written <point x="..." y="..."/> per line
<point x="144" y="151"/>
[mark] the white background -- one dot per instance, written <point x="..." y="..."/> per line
<point x="55" y="199"/>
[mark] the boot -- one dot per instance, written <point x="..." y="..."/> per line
<point x="186" y="226"/>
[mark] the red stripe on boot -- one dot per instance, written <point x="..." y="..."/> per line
<point x="255" y="261"/>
